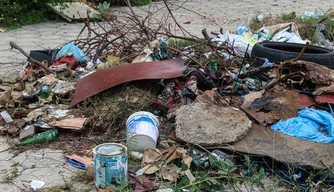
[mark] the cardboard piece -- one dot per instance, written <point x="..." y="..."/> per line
<point x="73" y="124"/>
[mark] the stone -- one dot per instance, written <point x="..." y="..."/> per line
<point x="211" y="125"/>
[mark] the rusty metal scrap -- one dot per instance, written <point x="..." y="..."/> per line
<point x="271" y="107"/>
<point x="107" y="78"/>
<point x="307" y="75"/>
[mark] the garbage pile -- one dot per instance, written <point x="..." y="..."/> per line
<point x="217" y="99"/>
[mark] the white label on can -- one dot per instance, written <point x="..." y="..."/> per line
<point x="143" y="125"/>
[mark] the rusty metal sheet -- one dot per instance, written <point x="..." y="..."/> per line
<point x="107" y="78"/>
<point x="325" y="98"/>
<point x="297" y="152"/>
<point x="271" y="107"/>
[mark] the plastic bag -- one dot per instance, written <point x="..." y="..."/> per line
<point x="311" y="124"/>
<point x="239" y="43"/>
<point x="70" y="48"/>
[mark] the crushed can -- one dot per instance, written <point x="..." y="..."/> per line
<point x="201" y="158"/>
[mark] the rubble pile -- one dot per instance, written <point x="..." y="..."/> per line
<point x="216" y="99"/>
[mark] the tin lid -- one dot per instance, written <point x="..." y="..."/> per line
<point x="110" y="149"/>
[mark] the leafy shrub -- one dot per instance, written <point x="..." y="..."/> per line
<point x="15" y="13"/>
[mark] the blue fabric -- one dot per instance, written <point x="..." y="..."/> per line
<point x="310" y="125"/>
<point x="71" y="48"/>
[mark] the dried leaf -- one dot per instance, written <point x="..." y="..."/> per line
<point x="19" y="86"/>
<point x="151" y="155"/>
<point x="17" y="96"/>
<point x="6" y="99"/>
<point x="170" y="173"/>
<point x="28" y="87"/>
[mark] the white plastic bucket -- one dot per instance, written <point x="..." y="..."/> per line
<point x="142" y="131"/>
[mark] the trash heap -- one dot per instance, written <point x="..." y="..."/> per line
<point x="215" y="100"/>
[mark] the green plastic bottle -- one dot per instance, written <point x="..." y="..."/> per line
<point x="41" y="137"/>
<point x="44" y="92"/>
<point x="213" y="65"/>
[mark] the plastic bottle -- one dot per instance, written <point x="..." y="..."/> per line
<point x="41" y="137"/>
<point x="264" y="36"/>
<point x="213" y="65"/>
<point x="44" y="92"/>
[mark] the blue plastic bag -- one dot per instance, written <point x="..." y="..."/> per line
<point x="70" y="48"/>
<point x="311" y="124"/>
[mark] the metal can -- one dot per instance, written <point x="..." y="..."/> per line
<point x="200" y="159"/>
<point x="142" y="131"/>
<point x="110" y="164"/>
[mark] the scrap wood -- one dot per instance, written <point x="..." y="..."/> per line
<point x="272" y="106"/>
<point x="284" y="148"/>
<point x="81" y="159"/>
<point x="84" y="157"/>
<point x="212" y="96"/>
<point x="107" y="78"/>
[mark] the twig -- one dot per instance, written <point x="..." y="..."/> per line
<point x="30" y="59"/>
<point x="139" y="23"/>
<point x="171" y="14"/>
<point x="103" y="47"/>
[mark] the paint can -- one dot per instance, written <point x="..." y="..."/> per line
<point x="142" y="131"/>
<point x="110" y="164"/>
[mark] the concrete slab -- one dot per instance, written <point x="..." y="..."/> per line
<point x="210" y="125"/>
<point x="4" y="146"/>
<point x="41" y="159"/>
<point x="52" y="176"/>
<point x="73" y="11"/>
<point x="8" y="187"/>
